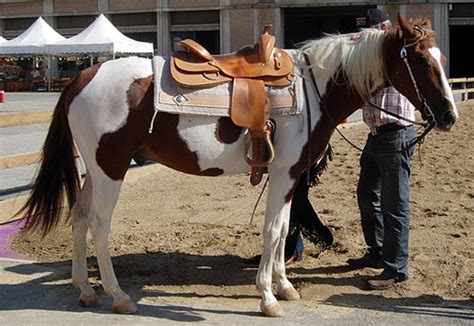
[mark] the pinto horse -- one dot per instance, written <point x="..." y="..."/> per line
<point x="106" y="111"/>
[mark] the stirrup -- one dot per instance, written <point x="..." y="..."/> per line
<point x="266" y="136"/>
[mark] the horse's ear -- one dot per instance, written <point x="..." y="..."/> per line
<point x="427" y="22"/>
<point x="404" y="25"/>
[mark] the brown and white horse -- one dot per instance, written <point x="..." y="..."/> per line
<point x="106" y="110"/>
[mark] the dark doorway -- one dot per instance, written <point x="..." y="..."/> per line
<point x="309" y="23"/>
<point x="208" y="39"/>
<point x="459" y="58"/>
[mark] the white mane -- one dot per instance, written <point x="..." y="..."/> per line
<point x="359" y="55"/>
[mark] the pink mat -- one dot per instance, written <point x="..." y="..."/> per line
<point x="7" y="231"/>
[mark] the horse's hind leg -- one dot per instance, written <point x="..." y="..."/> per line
<point x="80" y="215"/>
<point x="105" y="195"/>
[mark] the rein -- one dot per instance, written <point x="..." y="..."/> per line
<point x="399" y="117"/>
<point x="417" y="140"/>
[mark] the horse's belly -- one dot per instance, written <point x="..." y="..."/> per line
<point x="199" y="145"/>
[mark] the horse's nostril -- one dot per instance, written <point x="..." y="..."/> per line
<point x="449" y="118"/>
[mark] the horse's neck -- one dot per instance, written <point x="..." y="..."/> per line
<point x="339" y="100"/>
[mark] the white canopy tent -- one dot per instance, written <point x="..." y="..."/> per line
<point x="32" y="41"/>
<point x="2" y="40"/>
<point x="101" y="37"/>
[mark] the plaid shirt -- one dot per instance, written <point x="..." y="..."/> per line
<point x="389" y="99"/>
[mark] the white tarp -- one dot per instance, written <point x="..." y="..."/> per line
<point x="101" y="37"/>
<point x="32" y="41"/>
<point x="2" y="40"/>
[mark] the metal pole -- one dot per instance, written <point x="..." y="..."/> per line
<point x="50" y="73"/>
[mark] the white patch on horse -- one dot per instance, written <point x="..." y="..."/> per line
<point x="102" y="106"/>
<point x="199" y="133"/>
<point x="448" y="94"/>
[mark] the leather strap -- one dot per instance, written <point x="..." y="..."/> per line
<point x="249" y="104"/>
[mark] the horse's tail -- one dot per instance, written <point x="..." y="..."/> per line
<point x="57" y="176"/>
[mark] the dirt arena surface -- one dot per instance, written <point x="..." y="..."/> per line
<point x="178" y="239"/>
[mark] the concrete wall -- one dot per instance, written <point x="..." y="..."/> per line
<point x="75" y="6"/>
<point x="22" y="9"/>
<point x="123" y="5"/>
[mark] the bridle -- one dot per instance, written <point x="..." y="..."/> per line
<point x="404" y="56"/>
<point x="426" y="108"/>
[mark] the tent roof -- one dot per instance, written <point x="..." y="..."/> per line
<point x="32" y="41"/>
<point x="2" y="39"/>
<point x="100" y="37"/>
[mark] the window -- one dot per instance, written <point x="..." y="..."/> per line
<point x="18" y="24"/>
<point x="141" y="19"/>
<point x="194" y="17"/>
<point x="208" y="39"/>
<point x="201" y="26"/>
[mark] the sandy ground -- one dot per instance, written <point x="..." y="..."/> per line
<point x="178" y="238"/>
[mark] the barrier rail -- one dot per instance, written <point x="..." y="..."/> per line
<point x="464" y="86"/>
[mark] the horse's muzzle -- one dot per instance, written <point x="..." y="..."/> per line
<point x="448" y="120"/>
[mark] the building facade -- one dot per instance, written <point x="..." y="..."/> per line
<point x="226" y="25"/>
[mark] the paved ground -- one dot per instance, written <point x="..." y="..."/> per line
<point x="28" y="102"/>
<point x="42" y="294"/>
<point x="22" y="139"/>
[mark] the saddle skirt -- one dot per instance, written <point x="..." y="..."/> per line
<point x="216" y="100"/>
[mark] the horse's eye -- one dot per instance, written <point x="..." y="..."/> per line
<point x="421" y="61"/>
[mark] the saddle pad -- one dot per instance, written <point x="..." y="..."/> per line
<point x="216" y="100"/>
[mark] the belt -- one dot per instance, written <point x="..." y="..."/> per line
<point x="387" y="128"/>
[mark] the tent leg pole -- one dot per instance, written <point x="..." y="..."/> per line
<point x="50" y="71"/>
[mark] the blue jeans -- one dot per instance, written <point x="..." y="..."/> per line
<point x="383" y="195"/>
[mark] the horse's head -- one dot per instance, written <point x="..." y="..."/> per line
<point x="414" y="66"/>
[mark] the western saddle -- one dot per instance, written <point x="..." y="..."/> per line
<point x="249" y="70"/>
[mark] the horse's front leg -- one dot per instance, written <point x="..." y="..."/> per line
<point x="276" y="222"/>
<point x="285" y="289"/>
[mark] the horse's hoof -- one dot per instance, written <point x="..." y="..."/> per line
<point x="90" y="301"/>
<point x="289" y="294"/>
<point x="272" y="310"/>
<point x="125" y="307"/>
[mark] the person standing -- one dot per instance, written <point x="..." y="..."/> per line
<point x="383" y="190"/>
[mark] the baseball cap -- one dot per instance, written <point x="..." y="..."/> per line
<point x="376" y="16"/>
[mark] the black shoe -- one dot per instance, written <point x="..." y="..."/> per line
<point x="365" y="261"/>
<point x="386" y="280"/>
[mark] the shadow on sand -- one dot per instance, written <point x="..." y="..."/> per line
<point x="48" y="287"/>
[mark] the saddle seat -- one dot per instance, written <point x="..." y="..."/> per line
<point x="249" y="70"/>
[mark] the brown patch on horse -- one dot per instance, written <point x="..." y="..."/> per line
<point x="341" y="101"/>
<point x="164" y="145"/>
<point x="227" y="132"/>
